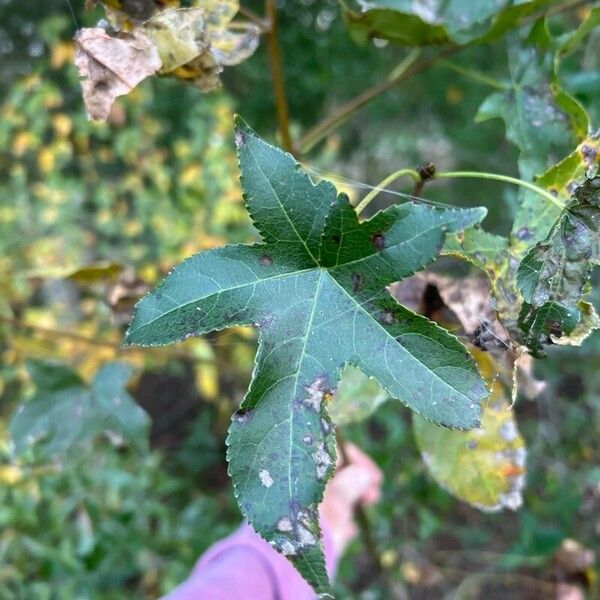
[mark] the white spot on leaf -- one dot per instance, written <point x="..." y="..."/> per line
<point x="265" y="478"/>
<point x="322" y="460"/>
<point x="305" y="537"/>
<point x="316" y="390"/>
<point x="287" y="548"/>
<point x="284" y="524"/>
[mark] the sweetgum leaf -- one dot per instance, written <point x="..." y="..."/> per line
<point x="316" y="290"/>
<point x="425" y="22"/>
<point x="544" y="122"/>
<point x="195" y="43"/>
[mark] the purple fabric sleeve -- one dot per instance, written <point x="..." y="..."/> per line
<point x="244" y="567"/>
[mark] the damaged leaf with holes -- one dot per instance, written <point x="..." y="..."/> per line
<point x="66" y="415"/>
<point x="553" y="275"/>
<point x="484" y="467"/>
<point x="315" y="288"/>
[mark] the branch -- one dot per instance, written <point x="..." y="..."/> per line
<point x="117" y="348"/>
<point x="275" y="64"/>
<point x="427" y="172"/>
<point x="314" y="135"/>
<point x="252" y="16"/>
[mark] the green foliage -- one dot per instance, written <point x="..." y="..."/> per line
<point x="65" y="415"/>
<point x="315" y="290"/>
<point x="541" y="120"/>
<point x="109" y="523"/>
<point x="438" y="22"/>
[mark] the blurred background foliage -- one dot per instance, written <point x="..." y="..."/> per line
<point x="91" y="215"/>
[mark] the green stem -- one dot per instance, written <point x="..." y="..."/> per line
<point x="416" y="177"/>
<point x="497" y="177"/>
<point x="381" y="186"/>
<point x="474" y="75"/>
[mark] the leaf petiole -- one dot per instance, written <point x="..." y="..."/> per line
<point x="383" y="184"/>
<point x="455" y="175"/>
<point x="505" y="178"/>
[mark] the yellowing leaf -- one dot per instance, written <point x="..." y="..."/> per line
<point x="112" y="66"/>
<point x="485" y="466"/>
<point x="196" y="43"/>
<point x="179" y="35"/>
<point x="207" y="380"/>
<point x="62" y="124"/>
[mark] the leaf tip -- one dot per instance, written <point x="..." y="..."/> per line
<point x="241" y="130"/>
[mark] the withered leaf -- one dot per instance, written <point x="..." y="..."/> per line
<point x="179" y="35"/>
<point x="196" y="43"/>
<point x="112" y="66"/>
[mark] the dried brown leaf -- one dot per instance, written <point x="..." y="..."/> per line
<point x="112" y="66"/>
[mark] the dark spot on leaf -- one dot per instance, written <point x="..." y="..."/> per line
<point x="335" y="239"/>
<point x="378" y="241"/>
<point x="554" y="328"/>
<point x="471" y="444"/>
<point x="387" y="317"/>
<point x="357" y="282"/>
<point x="101" y="85"/>
<point x="265" y="261"/>
<point x="589" y="154"/>
<point x="243" y="416"/>
<point x="524" y="234"/>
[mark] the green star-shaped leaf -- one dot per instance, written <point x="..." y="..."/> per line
<point x="316" y="290"/>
